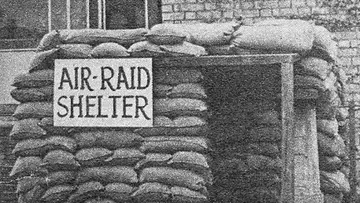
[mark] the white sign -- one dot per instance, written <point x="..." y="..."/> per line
<point x="103" y="92"/>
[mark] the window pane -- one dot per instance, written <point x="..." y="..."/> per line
<point x="125" y="14"/>
<point x="22" y="23"/>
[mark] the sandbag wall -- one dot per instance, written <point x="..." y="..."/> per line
<point x="7" y="159"/>
<point x="167" y="163"/>
<point x="333" y="154"/>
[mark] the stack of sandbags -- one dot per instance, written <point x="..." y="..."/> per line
<point x="49" y="161"/>
<point x="45" y="165"/>
<point x="168" y="162"/>
<point x="7" y="158"/>
<point x="185" y="40"/>
<point x="285" y="36"/>
<point x="177" y="164"/>
<point x="107" y="159"/>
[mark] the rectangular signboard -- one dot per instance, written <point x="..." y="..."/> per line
<point x="103" y="92"/>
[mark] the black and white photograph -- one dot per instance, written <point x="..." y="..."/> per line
<point x="179" y="101"/>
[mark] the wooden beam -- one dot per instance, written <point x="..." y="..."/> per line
<point x="287" y="143"/>
<point x="226" y="61"/>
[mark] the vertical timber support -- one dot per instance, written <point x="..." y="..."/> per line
<point x="300" y="175"/>
<point x="287" y="111"/>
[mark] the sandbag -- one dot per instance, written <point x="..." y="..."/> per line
<point x="328" y="127"/>
<point x="311" y="66"/>
<point x="260" y="162"/>
<point x="85" y="191"/>
<point x="34" y="110"/>
<point x="60" y="178"/>
<point x="152" y="192"/>
<point x="27" y="129"/>
<point x="342" y="114"/>
<point x="226" y="166"/>
<point x="264" y="148"/>
<point x="47" y="123"/>
<point x="119" y="192"/>
<point x="43" y="60"/>
<point x="333" y="198"/>
<point x="309" y="82"/>
<point x="208" y="34"/>
<point x="185" y="90"/>
<point x="49" y="41"/>
<point x="59" y="193"/>
<point x="334" y="182"/>
<point x="179" y="106"/>
<point x="324" y="47"/>
<point x="96" y="36"/>
<point x="326" y="111"/>
<point x="165" y="34"/>
<point x="32" y="196"/>
<point x="146" y="49"/>
<point x="108" y="174"/>
<point x="270" y="117"/>
<point x="227" y="132"/>
<point x="292" y="36"/>
<point x="182" y="125"/>
<point x="7" y="123"/>
<point x="93" y="156"/>
<point x="39" y="78"/>
<point x="153" y="160"/>
<point x="109" y="139"/>
<point x="194" y="162"/>
<point x="109" y="50"/>
<point x="27" y="166"/>
<point x="172" y="144"/>
<point x="61" y="142"/>
<point x="329" y="164"/>
<point x="184" y="49"/>
<point x="258" y="194"/>
<point x="70" y="51"/>
<point x="189" y="161"/>
<point x="175" y="76"/>
<point x="175" y="177"/>
<point x="7" y="109"/>
<point x="30" y="147"/>
<point x="27" y="183"/>
<point x="251" y="180"/>
<point x="265" y="134"/>
<point x="185" y="195"/>
<point x="33" y="94"/>
<point x="125" y="157"/>
<point x="59" y="160"/>
<point x="331" y="146"/>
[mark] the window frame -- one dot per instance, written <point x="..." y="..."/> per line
<point x="101" y="4"/>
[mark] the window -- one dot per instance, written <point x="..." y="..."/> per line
<point x="23" y="23"/>
<point x="124" y="14"/>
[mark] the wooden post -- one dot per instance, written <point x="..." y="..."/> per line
<point x="306" y="171"/>
<point x="300" y="175"/>
<point x="352" y="152"/>
<point x="287" y="109"/>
